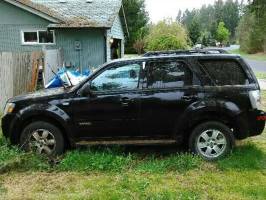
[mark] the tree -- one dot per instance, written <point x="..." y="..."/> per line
<point x="204" y="41"/>
<point x="137" y="19"/>
<point x="209" y="16"/>
<point x="167" y="35"/>
<point x="252" y="27"/>
<point x="179" y="16"/>
<point x="222" y="34"/>
<point x="188" y="17"/>
<point x="218" y="10"/>
<point x="139" y="44"/>
<point x="194" y="31"/>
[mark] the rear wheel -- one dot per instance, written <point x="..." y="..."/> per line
<point x="42" y="138"/>
<point x="211" y="140"/>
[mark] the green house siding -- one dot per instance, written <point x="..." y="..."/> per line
<point x="12" y="15"/>
<point x="92" y="53"/>
<point x="95" y="46"/>
<point x="12" y="21"/>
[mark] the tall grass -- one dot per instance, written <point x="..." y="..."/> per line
<point x="12" y="158"/>
<point x="115" y="160"/>
<point x="245" y="157"/>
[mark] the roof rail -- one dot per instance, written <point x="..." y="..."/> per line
<point x="186" y="52"/>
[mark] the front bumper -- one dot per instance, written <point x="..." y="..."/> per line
<point x="8" y="125"/>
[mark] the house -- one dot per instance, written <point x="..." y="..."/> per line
<point x="89" y="32"/>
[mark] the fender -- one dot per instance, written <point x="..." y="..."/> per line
<point x="208" y="109"/>
<point x="51" y="112"/>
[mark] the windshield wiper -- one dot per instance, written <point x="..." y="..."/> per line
<point x="71" y="85"/>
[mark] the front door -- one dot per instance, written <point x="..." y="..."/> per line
<point x="112" y="110"/>
<point x="166" y="95"/>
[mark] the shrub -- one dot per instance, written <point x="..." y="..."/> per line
<point x="222" y="34"/>
<point x="167" y="35"/>
<point x="139" y="46"/>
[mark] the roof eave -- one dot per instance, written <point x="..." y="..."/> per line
<point x="51" y="26"/>
<point x="33" y="11"/>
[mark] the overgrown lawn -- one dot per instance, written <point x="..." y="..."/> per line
<point x="115" y="172"/>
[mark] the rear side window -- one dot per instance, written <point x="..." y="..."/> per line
<point x="168" y="74"/>
<point x="225" y="72"/>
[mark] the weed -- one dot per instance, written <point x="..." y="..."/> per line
<point x="99" y="160"/>
<point x="13" y="159"/>
<point x="175" y="162"/>
<point x="245" y="157"/>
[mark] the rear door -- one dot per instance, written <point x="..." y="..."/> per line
<point x="166" y="93"/>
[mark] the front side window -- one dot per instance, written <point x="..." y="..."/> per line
<point x="38" y="37"/>
<point x="124" y="77"/>
<point x="167" y="75"/>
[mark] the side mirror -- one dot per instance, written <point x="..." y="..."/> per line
<point x="86" y="90"/>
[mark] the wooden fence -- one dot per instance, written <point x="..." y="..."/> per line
<point x="18" y="74"/>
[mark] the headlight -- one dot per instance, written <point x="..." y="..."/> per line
<point x="255" y="99"/>
<point x="9" y="108"/>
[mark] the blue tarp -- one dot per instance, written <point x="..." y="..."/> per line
<point x="68" y="77"/>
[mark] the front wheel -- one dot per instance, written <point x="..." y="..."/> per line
<point x="211" y="140"/>
<point x="42" y="138"/>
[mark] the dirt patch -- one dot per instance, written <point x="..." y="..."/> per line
<point x="42" y="185"/>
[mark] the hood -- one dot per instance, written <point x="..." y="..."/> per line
<point x="41" y="94"/>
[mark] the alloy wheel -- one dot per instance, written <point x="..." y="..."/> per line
<point x="211" y="143"/>
<point x="42" y="141"/>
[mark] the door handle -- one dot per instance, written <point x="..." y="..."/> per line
<point x="124" y="101"/>
<point x="189" y="97"/>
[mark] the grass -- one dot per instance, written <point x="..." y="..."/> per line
<point x="260" y="75"/>
<point x="135" y="173"/>
<point x="258" y="56"/>
<point x="131" y="56"/>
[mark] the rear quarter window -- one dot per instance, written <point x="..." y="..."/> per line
<point x="225" y="72"/>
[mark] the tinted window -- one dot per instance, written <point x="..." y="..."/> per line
<point x="225" y="72"/>
<point x="167" y="75"/>
<point x="117" y="78"/>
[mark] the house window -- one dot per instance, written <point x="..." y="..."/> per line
<point x="38" y="37"/>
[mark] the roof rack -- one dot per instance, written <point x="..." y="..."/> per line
<point x="185" y="52"/>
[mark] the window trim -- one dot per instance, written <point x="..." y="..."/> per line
<point x="36" y="43"/>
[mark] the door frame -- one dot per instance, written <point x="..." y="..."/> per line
<point x="111" y="92"/>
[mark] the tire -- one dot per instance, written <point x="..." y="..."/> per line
<point x="211" y="140"/>
<point x="43" y="138"/>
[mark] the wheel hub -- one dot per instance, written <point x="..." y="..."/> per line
<point x="211" y="143"/>
<point x="42" y="141"/>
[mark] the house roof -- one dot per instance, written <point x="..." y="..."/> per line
<point x="74" y="13"/>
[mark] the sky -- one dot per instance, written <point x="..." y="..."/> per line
<point x="160" y="9"/>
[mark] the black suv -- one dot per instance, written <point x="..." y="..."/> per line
<point x="204" y="98"/>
